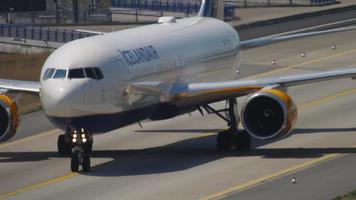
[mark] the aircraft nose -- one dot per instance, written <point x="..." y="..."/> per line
<point x="60" y="100"/>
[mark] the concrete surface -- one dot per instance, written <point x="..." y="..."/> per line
<point x="325" y="181"/>
<point x="176" y="159"/>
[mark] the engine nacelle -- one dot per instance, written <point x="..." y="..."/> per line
<point x="269" y="114"/>
<point x="8" y="118"/>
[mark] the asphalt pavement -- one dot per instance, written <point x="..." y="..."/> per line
<point x="176" y="159"/>
<point x="327" y="180"/>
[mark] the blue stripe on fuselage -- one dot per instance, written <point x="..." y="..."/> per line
<point x="102" y="123"/>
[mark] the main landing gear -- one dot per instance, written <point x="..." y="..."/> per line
<point x="78" y="145"/>
<point x="232" y="137"/>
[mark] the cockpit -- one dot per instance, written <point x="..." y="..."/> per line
<point x="79" y="73"/>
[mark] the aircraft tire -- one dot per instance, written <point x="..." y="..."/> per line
<point x="74" y="163"/>
<point x="242" y="141"/>
<point x="86" y="164"/>
<point x="223" y="141"/>
<point x="63" y="147"/>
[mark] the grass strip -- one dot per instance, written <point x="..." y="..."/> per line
<point x="23" y="67"/>
<point x="350" y="196"/>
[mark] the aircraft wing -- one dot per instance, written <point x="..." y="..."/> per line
<point x="204" y="93"/>
<point x="19" y="86"/>
<point x="272" y="39"/>
<point x="91" y="32"/>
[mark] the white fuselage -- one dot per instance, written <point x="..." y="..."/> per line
<point x="189" y="50"/>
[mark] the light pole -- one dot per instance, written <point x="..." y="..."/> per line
<point x="33" y="13"/>
<point x="75" y="11"/>
<point x="57" y="14"/>
<point x="10" y="15"/>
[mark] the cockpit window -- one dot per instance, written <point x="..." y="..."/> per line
<point x="90" y="73"/>
<point x="60" y="74"/>
<point x="80" y="73"/>
<point x="76" y="73"/>
<point x="48" y="73"/>
<point x="99" y="74"/>
<point x="94" y="73"/>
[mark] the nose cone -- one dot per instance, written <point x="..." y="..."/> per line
<point x="60" y="99"/>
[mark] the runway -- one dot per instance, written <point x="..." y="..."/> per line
<point x="176" y="159"/>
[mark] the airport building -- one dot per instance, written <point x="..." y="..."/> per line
<point x="54" y="11"/>
<point x="67" y="5"/>
<point x="51" y="5"/>
<point x="22" y="5"/>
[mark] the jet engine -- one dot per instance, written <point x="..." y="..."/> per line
<point x="8" y="118"/>
<point x="269" y="114"/>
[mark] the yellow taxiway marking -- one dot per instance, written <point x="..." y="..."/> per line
<point x="263" y="179"/>
<point x="39" y="185"/>
<point x="328" y="98"/>
<point x="25" y="139"/>
<point x="302" y="64"/>
<point x="225" y="192"/>
<point x="296" y="168"/>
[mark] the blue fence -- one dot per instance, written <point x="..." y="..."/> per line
<point x="322" y="2"/>
<point x="267" y="3"/>
<point x="40" y="33"/>
<point x="185" y="6"/>
<point x="158" y="5"/>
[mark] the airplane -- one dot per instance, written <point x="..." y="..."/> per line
<point x="97" y="84"/>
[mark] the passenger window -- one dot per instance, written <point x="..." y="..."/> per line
<point x="60" y="74"/>
<point x="90" y="73"/>
<point x="48" y="74"/>
<point x="99" y="74"/>
<point x="76" y="73"/>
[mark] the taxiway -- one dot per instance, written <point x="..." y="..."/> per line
<point x="176" y="159"/>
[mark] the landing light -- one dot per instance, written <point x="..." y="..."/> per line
<point x="83" y="135"/>
<point x="84" y="140"/>
<point x="74" y="140"/>
<point x="82" y="130"/>
<point x="75" y="135"/>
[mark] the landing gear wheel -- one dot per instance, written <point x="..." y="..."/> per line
<point x="63" y="147"/>
<point x="74" y="164"/>
<point x="242" y="141"/>
<point x="223" y="141"/>
<point x="86" y="163"/>
<point x="88" y="148"/>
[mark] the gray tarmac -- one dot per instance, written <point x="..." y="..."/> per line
<point x="325" y="181"/>
<point x="176" y="159"/>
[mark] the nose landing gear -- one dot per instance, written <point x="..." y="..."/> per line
<point x="82" y="142"/>
<point x="77" y="144"/>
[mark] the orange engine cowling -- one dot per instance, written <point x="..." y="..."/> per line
<point x="8" y="118"/>
<point x="269" y="114"/>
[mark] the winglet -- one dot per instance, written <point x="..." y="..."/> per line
<point x="212" y="8"/>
